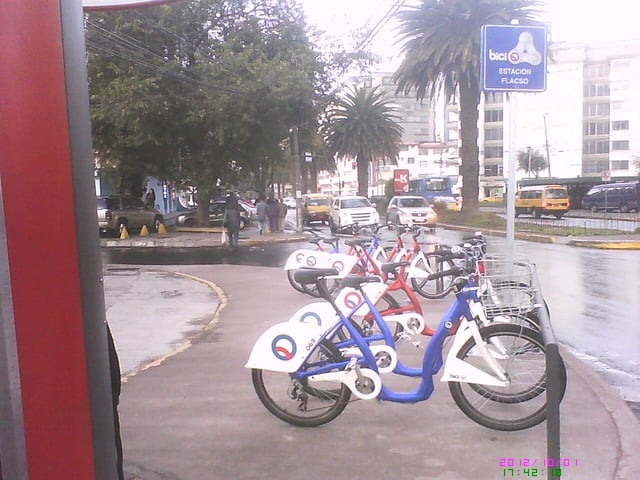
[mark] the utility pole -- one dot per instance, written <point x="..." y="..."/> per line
<point x="546" y="144"/>
<point x="296" y="183"/>
<point x="529" y="164"/>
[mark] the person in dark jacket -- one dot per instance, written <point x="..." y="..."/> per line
<point x="231" y="220"/>
<point x="272" y="214"/>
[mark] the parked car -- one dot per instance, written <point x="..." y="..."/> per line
<point x="289" y="202"/>
<point x="447" y="203"/>
<point x="542" y="200"/>
<point x="411" y="210"/>
<point x="120" y="211"/>
<point x="348" y="211"/>
<point x="315" y="208"/>
<point x="613" y="196"/>
<point x="216" y="216"/>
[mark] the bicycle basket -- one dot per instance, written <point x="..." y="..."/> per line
<point x="506" y="287"/>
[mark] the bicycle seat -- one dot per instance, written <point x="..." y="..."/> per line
<point x="315" y="241"/>
<point x="331" y="241"/>
<point x="357" y="241"/>
<point x="393" y="266"/>
<point x="354" y="281"/>
<point x="309" y="276"/>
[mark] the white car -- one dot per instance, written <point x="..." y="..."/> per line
<point x="348" y="211"/>
<point x="411" y="210"/>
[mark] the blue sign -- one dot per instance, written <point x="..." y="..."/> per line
<point x="513" y="58"/>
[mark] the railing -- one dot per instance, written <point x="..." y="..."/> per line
<point x="554" y="378"/>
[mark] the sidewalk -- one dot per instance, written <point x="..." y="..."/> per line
<point x="189" y="411"/>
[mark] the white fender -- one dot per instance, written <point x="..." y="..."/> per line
<point x="306" y="258"/>
<point x="350" y="379"/>
<point x="415" y="271"/>
<point x="349" y="298"/>
<point x="284" y="346"/>
<point x="320" y="314"/>
<point x="342" y="262"/>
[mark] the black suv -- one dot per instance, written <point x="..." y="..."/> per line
<point x="118" y="211"/>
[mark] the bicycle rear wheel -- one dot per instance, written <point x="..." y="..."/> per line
<point x="303" y="403"/>
<point x="433" y="289"/>
<point x="522" y="403"/>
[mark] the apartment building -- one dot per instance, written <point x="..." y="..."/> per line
<point x="586" y="123"/>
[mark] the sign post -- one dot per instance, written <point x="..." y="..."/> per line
<point x="513" y="58"/>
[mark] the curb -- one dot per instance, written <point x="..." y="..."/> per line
<point x="621" y="415"/>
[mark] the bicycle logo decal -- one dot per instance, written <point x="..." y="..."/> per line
<point x="283" y="347"/>
<point x="352" y="299"/>
<point x="338" y="265"/>
<point x="311" y="261"/>
<point x="314" y="316"/>
<point x="300" y="257"/>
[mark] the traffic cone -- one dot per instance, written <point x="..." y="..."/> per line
<point x="161" y="229"/>
<point x="144" y="231"/>
<point x="123" y="233"/>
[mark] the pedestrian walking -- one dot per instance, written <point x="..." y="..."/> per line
<point x="231" y="220"/>
<point x="282" y="213"/>
<point x="150" y="198"/>
<point x="272" y="214"/>
<point x="261" y="213"/>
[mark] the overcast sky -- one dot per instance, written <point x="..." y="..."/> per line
<point x="572" y="20"/>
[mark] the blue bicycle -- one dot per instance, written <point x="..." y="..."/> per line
<point x="305" y="373"/>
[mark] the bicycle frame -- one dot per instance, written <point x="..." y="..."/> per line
<point x="352" y="371"/>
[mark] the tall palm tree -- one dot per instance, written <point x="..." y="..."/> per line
<point x="442" y="55"/>
<point x="362" y="124"/>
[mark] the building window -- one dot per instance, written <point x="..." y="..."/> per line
<point x="596" y="70"/>
<point x="596" y="128"/>
<point x="596" y="109"/>
<point x="492" y="116"/>
<point x="411" y="161"/>
<point x="424" y="163"/>
<point x="493" y="152"/>
<point x="493" y="170"/>
<point x="596" y="90"/>
<point x="620" y="145"/>
<point x="493" y="133"/>
<point x="620" y="125"/>
<point x="595" y="165"/>
<point x="620" y="164"/>
<point x="493" y="97"/>
<point x="595" y="146"/>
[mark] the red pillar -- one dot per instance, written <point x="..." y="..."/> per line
<point x="42" y="259"/>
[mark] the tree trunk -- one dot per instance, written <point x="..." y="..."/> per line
<point x="470" y="169"/>
<point x="203" y="198"/>
<point x="362" y="164"/>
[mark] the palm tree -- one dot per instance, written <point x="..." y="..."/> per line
<point x="362" y="124"/>
<point x="442" y="55"/>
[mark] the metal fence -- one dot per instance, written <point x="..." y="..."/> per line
<point x="579" y="226"/>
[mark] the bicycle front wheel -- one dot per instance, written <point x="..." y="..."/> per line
<point x="433" y="289"/>
<point x="522" y="403"/>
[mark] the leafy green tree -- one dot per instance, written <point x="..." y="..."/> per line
<point x="200" y="92"/>
<point x="532" y="161"/>
<point x="362" y="124"/>
<point x="442" y="55"/>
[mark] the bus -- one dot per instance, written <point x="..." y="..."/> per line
<point x="431" y="187"/>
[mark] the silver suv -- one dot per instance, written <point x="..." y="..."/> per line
<point x="118" y="211"/>
<point x="348" y="211"/>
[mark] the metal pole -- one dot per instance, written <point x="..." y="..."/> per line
<point x="511" y="179"/>
<point x="546" y="144"/>
<point x="296" y="181"/>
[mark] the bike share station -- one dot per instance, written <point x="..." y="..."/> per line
<point x="513" y="60"/>
<point x="503" y="366"/>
